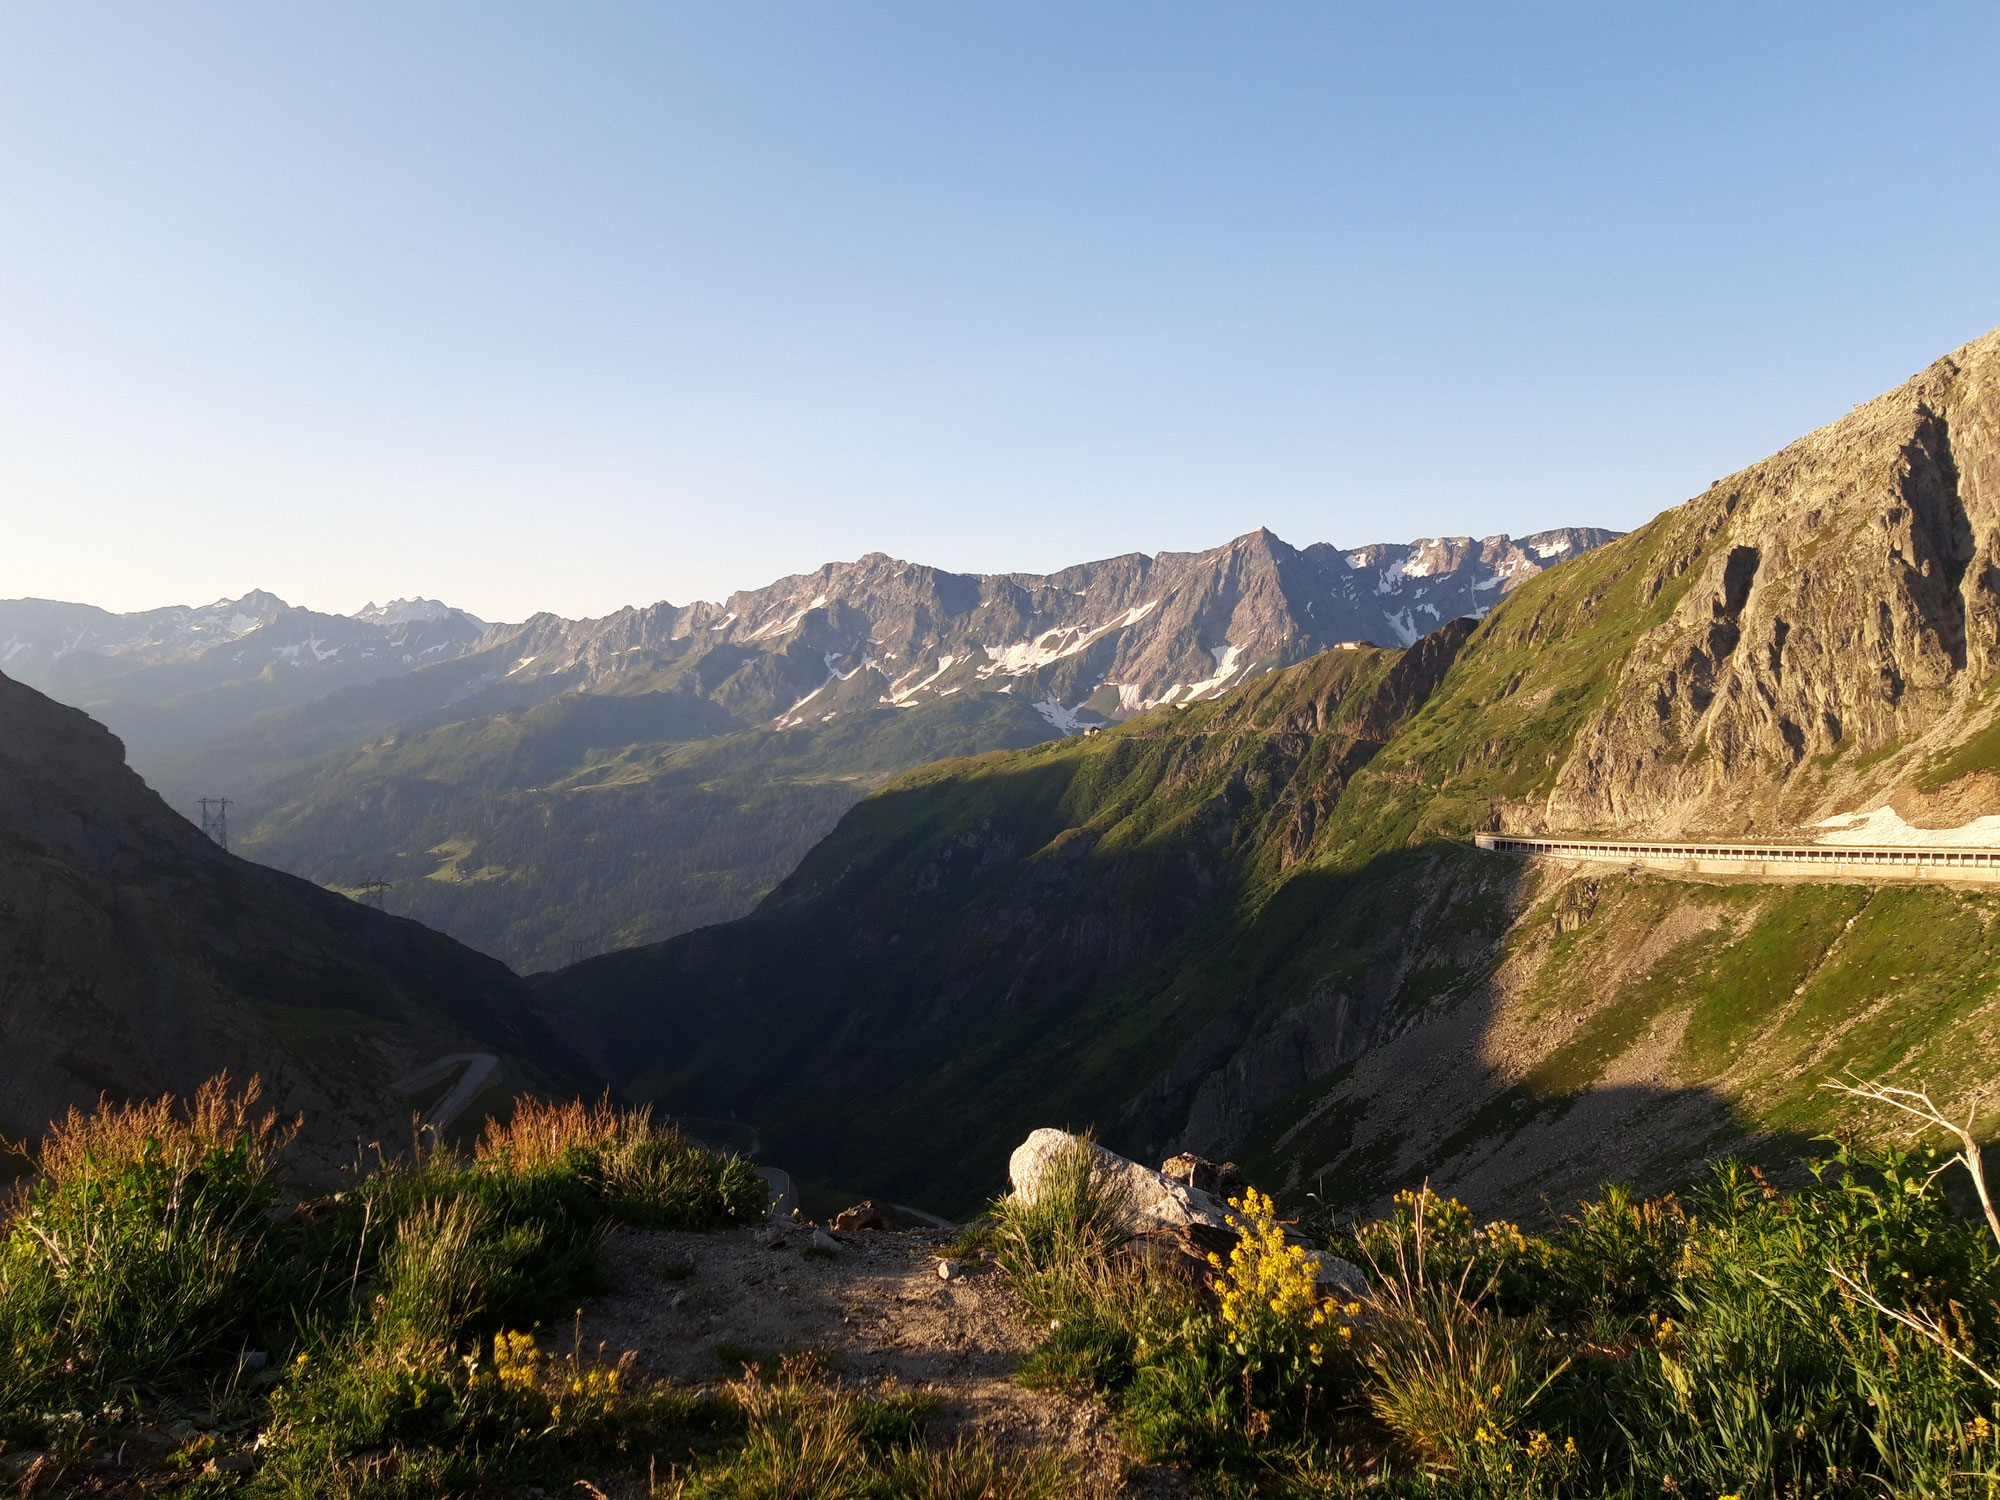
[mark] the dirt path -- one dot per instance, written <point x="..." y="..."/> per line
<point x="875" y="1308"/>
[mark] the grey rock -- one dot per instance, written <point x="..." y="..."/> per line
<point x="1153" y="1202"/>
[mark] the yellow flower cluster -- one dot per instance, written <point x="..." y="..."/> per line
<point x="1268" y="1301"/>
<point x="586" y="1391"/>
<point x="516" y="1361"/>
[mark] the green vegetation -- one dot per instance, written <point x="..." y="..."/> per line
<point x="384" y="1342"/>
<point x="592" y="822"/>
<point x="1833" y="1340"/>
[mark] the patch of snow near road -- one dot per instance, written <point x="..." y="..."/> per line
<point x="1886" y="826"/>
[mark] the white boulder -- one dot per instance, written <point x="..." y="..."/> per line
<point x="1152" y="1202"/>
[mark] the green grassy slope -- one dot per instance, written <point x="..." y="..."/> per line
<point x="592" y="821"/>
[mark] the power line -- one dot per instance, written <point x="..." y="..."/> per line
<point x="371" y="892"/>
<point x="215" y="819"/>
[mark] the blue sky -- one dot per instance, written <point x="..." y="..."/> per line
<point x="568" y="307"/>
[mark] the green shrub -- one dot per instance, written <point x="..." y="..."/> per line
<point x="150" y="1251"/>
<point x="638" y="1172"/>
<point x="1766" y="1368"/>
<point x="1059" y="1246"/>
<point x="143" y="1253"/>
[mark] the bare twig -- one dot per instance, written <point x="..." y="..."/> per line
<point x="1929" y="1328"/>
<point x="1917" y="1103"/>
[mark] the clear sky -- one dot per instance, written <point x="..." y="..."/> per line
<point x="569" y="306"/>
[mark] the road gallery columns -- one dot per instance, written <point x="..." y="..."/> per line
<point x="1880" y="862"/>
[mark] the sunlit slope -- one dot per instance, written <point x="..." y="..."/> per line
<point x="1814" y="635"/>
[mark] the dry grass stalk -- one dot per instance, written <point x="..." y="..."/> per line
<point x="217" y="1118"/>
<point x="539" y="1133"/>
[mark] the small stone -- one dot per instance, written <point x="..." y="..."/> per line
<point x="821" y="1240"/>
<point x="949" y="1269"/>
<point x="256" y="1359"/>
<point x="861" y="1216"/>
<point x="181" y="1431"/>
<point x="15" y="1464"/>
<point x="777" y="1239"/>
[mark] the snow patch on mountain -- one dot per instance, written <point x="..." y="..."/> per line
<point x="1061" y="718"/>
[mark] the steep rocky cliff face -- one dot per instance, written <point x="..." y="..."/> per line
<point x="137" y="958"/>
<point x="1837" y="620"/>
<point x="1100" y="640"/>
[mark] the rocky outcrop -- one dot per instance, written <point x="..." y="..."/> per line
<point x="1108" y="638"/>
<point x="1153" y="1205"/>
<point x="1833" y="615"/>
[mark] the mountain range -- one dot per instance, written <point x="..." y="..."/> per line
<point x="1255" y="926"/>
<point x="561" y="787"/>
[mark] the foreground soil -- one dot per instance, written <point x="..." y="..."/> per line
<point x="874" y="1308"/>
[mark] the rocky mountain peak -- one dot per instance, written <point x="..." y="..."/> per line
<point x="1823" y="626"/>
<point x="1091" y="643"/>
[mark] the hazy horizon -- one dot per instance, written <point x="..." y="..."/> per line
<point x="530" y="310"/>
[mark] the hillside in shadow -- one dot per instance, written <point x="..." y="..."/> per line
<point x="137" y="958"/>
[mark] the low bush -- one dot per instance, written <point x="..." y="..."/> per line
<point x="1840" y="1338"/>
<point x="145" y="1251"/>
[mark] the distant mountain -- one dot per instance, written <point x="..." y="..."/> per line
<point x="1255" y="928"/>
<point x="596" y="821"/>
<point x="533" y="789"/>
<point x="1089" y="644"/>
<point x="173" y="681"/>
<point x="137" y="958"/>
<point x="545" y="795"/>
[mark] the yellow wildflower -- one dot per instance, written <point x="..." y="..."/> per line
<point x="515" y="1358"/>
